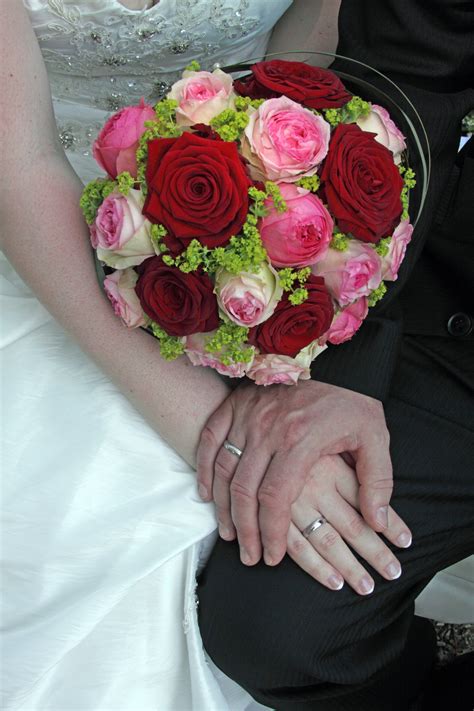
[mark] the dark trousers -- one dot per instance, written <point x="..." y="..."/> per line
<point x="292" y="643"/>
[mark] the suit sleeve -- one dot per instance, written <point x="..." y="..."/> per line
<point x="427" y="48"/>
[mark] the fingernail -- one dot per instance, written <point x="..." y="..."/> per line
<point x="336" y="582"/>
<point x="366" y="585"/>
<point x="394" y="570"/>
<point x="202" y="491"/>
<point x="225" y="532"/>
<point x="404" y="540"/>
<point x="268" y="558"/>
<point x="244" y="557"/>
<point x="382" y="516"/>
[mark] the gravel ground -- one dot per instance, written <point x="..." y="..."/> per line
<point x="453" y="640"/>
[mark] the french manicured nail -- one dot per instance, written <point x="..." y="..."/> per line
<point x="268" y="558"/>
<point x="203" y="493"/>
<point x="394" y="570"/>
<point x="225" y="533"/>
<point x="335" y="582"/>
<point x="404" y="540"/>
<point x="244" y="557"/>
<point x="382" y="516"/>
<point x="366" y="585"/>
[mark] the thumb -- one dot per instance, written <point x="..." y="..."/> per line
<point x="375" y="475"/>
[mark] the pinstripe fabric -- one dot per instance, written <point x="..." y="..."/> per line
<point x="293" y="644"/>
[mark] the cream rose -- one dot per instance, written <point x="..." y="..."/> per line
<point x="120" y="233"/>
<point x="201" y="96"/>
<point x="246" y="298"/>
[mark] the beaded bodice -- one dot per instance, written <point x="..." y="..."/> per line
<point x="100" y="55"/>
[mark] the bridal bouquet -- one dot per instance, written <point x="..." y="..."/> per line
<point x="250" y="223"/>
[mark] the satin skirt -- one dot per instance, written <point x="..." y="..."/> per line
<point x="102" y="535"/>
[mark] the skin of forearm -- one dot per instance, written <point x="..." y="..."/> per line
<point x="308" y="25"/>
<point x="46" y="239"/>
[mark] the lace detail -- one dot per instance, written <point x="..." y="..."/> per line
<point x="119" y="57"/>
<point x="101" y="55"/>
<point x="76" y="136"/>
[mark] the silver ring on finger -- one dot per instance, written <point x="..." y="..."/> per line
<point x="313" y="526"/>
<point x="233" y="449"/>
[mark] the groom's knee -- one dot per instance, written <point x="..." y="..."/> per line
<point x="264" y="624"/>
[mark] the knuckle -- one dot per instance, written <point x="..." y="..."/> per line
<point x="246" y="533"/>
<point x="222" y="472"/>
<point x="240" y="491"/>
<point x="355" y="527"/>
<point x="294" y="433"/>
<point x="329" y="540"/>
<point x="270" y="496"/>
<point x="383" y="558"/>
<point x="208" y="438"/>
<point x="297" y="547"/>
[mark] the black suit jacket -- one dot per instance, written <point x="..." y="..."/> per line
<point x="427" y="48"/>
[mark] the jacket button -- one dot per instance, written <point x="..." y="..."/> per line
<point x="459" y="325"/>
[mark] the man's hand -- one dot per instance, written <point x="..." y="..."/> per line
<point x="283" y="431"/>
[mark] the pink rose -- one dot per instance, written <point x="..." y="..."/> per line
<point x="284" y="141"/>
<point x="116" y="146"/>
<point x="272" y="369"/>
<point x="195" y="349"/>
<point x="120" y="233"/>
<point x="300" y="235"/>
<point x="398" y="246"/>
<point x="386" y="131"/>
<point x="347" y="322"/>
<point x="201" y="96"/>
<point x="350" y="274"/>
<point x="247" y="298"/>
<point x="120" y="288"/>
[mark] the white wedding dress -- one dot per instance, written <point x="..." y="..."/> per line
<point x="102" y="527"/>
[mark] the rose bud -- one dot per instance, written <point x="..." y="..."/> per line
<point x="396" y="251"/>
<point x="386" y="131"/>
<point x="347" y="322"/>
<point x="350" y="274"/>
<point x="195" y="349"/>
<point x="274" y="369"/>
<point x="120" y="288"/>
<point x="313" y="87"/>
<point x="116" y="146"/>
<point x="361" y="184"/>
<point x="120" y="233"/>
<point x="299" y="236"/>
<point x="248" y="298"/>
<point x="178" y="302"/>
<point x="284" y="141"/>
<point x="292" y="328"/>
<point x="201" y="96"/>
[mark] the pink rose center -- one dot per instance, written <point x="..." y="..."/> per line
<point x="245" y="309"/>
<point x="111" y="223"/>
<point x="199" y="92"/>
<point x="295" y="135"/>
<point x="307" y="233"/>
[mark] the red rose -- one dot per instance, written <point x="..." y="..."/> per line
<point x="197" y="189"/>
<point x="313" y="87"/>
<point x="291" y="328"/>
<point x="362" y="184"/>
<point x="180" y="303"/>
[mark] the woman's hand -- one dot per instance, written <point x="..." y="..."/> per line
<point x="332" y="492"/>
<point x="283" y="431"/>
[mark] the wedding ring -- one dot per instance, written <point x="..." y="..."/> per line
<point x="232" y="449"/>
<point x="313" y="526"/>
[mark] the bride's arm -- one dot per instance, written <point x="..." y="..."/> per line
<point x="307" y="25"/>
<point x="45" y="238"/>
